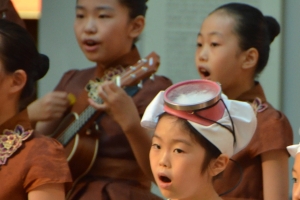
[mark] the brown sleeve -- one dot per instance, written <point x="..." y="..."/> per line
<point x="47" y="164"/>
<point x="274" y="132"/>
<point x="64" y="81"/>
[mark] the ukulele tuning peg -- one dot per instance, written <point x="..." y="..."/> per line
<point x="132" y="68"/>
<point x="118" y="80"/>
<point x="152" y="77"/>
<point x="145" y="68"/>
<point x="143" y="60"/>
<point x="151" y="61"/>
<point x="140" y="85"/>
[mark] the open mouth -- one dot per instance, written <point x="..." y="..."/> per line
<point x="90" y="42"/>
<point x="164" y="179"/>
<point x="204" y="73"/>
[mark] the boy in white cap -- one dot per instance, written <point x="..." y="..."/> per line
<point x="294" y="151"/>
<point x="197" y="130"/>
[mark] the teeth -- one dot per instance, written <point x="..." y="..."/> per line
<point x="204" y="72"/>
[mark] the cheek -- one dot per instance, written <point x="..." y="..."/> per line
<point x="153" y="159"/>
<point x="77" y="29"/>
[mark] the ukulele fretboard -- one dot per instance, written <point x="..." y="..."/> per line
<point x="76" y="125"/>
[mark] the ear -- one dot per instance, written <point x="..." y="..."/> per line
<point x="250" y="58"/>
<point x="137" y="26"/>
<point x="18" y="81"/>
<point x="218" y="165"/>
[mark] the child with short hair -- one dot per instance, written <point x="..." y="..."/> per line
<point x="197" y="130"/>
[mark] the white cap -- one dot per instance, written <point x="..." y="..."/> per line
<point x="242" y="114"/>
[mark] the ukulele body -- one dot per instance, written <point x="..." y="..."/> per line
<point x="81" y="150"/>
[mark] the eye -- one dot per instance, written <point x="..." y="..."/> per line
<point x="155" y="146"/>
<point x="294" y="180"/>
<point x="79" y="16"/>
<point x="214" y="44"/>
<point x="102" y="16"/>
<point x="199" y="44"/>
<point x="178" y="151"/>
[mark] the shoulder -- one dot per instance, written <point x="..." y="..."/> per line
<point x="74" y="76"/>
<point x="47" y="147"/>
<point x="272" y="125"/>
<point x="271" y="115"/>
<point x="150" y="88"/>
<point x="46" y="162"/>
<point x="157" y="82"/>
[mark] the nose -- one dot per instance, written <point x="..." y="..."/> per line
<point x="90" y="26"/>
<point x="164" y="160"/>
<point x="202" y="53"/>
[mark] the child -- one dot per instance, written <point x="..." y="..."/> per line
<point x="32" y="166"/>
<point x="106" y="32"/>
<point x="191" y="146"/>
<point x="233" y="48"/>
<point x="294" y="151"/>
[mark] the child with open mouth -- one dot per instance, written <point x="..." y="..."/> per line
<point x="197" y="130"/>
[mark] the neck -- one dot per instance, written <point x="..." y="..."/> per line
<point x="7" y="111"/>
<point x="206" y="193"/>
<point x="130" y="57"/>
<point x="243" y="86"/>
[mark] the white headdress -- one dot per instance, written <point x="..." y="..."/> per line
<point x="294" y="149"/>
<point x="228" y="124"/>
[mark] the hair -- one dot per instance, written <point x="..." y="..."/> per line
<point x="212" y="152"/>
<point x="18" y="51"/>
<point x="136" y="7"/>
<point x="253" y="29"/>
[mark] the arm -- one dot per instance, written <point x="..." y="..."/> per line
<point x="122" y="109"/>
<point x="275" y="174"/>
<point x="48" y="191"/>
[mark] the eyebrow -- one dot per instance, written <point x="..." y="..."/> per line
<point x="97" y="8"/>
<point x="174" y="140"/>
<point x="293" y="170"/>
<point x="181" y="141"/>
<point x="212" y="33"/>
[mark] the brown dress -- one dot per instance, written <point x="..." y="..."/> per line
<point x="39" y="160"/>
<point x="116" y="174"/>
<point x="273" y="133"/>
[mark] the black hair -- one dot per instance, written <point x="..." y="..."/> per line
<point x="136" y="7"/>
<point x="18" y="51"/>
<point x="212" y="152"/>
<point x="253" y="29"/>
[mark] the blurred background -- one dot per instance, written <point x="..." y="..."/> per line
<point x="171" y="31"/>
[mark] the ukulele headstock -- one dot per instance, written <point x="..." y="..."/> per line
<point x="144" y="68"/>
<point x="132" y="75"/>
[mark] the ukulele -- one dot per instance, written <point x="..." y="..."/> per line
<point x="80" y="146"/>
